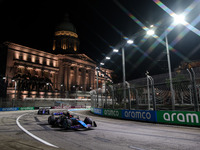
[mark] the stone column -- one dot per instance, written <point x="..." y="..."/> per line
<point x="92" y="79"/>
<point x="56" y="80"/>
<point x="53" y="80"/>
<point x="83" y="78"/>
<point x="66" y="76"/>
<point x="60" y="73"/>
<point x="76" y="70"/>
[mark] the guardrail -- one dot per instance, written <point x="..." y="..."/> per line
<point x="189" y="118"/>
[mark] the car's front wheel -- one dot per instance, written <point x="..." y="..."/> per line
<point x="51" y="120"/>
<point x="88" y="120"/>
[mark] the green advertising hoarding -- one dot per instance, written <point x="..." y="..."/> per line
<point x="112" y="113"/>
<point x="179" y="117"/>
<point x="92" y="109"/>
<point x="26" y="108"/>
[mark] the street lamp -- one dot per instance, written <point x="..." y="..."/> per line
<point x="178" y="19"/>
<point x="61" y="89"/>
<point x="170" y="74"/>
<point x="123" y="67"/>
<point x="15" y="90"/>
<point x="130" y="41"/>
<point x="115" y="50"/>
<point x="151" y="32"/>
<point x="97" y="69"/>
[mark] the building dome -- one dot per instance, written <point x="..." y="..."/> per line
<point x="66" y="25"/>
<point x="66" y="39"/>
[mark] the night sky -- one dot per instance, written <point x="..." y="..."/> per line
<point x="102" y="25"/>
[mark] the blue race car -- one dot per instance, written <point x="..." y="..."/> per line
<point x="67" y="121"/>
<point x="43" y="111"/>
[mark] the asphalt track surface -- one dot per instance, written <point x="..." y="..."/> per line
<point x="110" y="134"/>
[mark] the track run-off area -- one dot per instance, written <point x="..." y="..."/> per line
<point x="26" y="130"/>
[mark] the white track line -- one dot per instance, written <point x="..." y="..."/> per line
<point x="35" y="137"/>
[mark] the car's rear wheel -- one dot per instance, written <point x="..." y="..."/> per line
<point x="66" y="123"/>
<point x="94" y="123"/>
<point x="47" y="112"/>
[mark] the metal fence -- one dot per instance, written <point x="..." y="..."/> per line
<point x="138" y="94"/>
<point x="144" y="95"/>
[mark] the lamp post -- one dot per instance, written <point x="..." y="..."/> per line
<point x="124" y="74"/>
<point x="178" y="19"/>
<point x="148" y="92"/>
<point x="97" y="69"/>
<point x="151" y="32"/>
<point x="170" y="74"/>
<point x="15" y="91"/>
<point x="61" y="88"/>
<point x="123" y="67"/>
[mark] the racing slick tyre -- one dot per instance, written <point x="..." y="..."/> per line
<point x="51" y="120"/>
<point x="94" y="124"/>
<point x="88" y="120"/>
<point x="47" y="112"/>
<point x="66" y="123"/>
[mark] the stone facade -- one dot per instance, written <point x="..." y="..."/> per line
<point x="40" y="74"/>
<point x="34" y="73"/>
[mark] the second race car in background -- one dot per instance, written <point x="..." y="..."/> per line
<point x="44" y="111"/>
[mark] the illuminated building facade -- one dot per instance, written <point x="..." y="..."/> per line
<point x="63" y="73"/>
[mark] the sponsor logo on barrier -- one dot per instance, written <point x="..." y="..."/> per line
<point x="26" y="108"/>
<point x="98" y="111"/>
<point x="191" y="118"/>
<point x="112" y="113"/>
<point x="181" y="117"/>
<point x="139" y="115"/>
<point x="9" y="109"/>
<point x="92" y="109"/>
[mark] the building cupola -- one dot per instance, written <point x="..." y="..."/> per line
<point x="66" y="38"/>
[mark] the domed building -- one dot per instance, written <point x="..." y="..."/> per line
<point x="66" y="39"/>
<point x="64" y="73"/>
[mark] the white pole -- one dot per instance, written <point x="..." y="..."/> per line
<point x="170" y="74"/>
<point x="148" y="93"/>
<point x="15" y="93"/>
<point x="124" y="75"/>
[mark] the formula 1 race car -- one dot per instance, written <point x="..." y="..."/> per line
<point x="43" y="111"/>
<point x="67" y="121"/>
